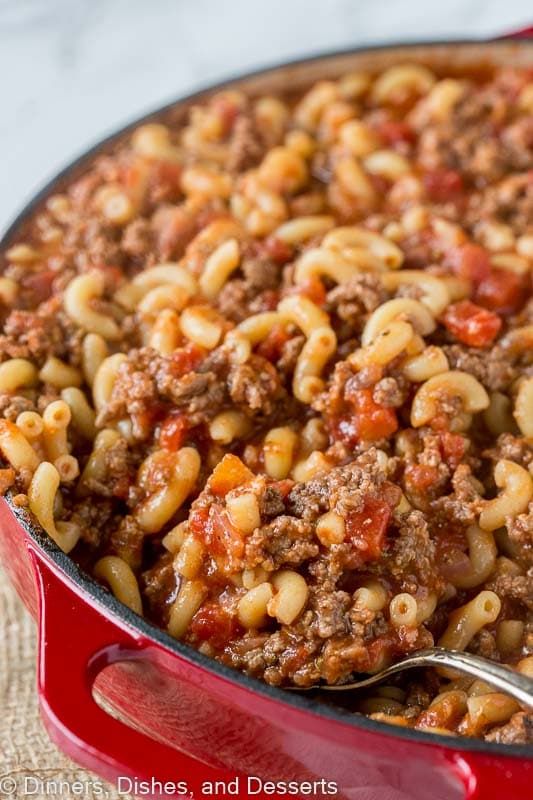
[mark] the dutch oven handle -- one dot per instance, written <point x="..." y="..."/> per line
<point x="75" y="643"/>
<point x="488" y="777"/>
<point x="523" y="33"/>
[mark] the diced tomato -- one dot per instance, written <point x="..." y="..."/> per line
<point x="311" y="287"/>
<point x="471" y="324"/>
<point x="185" y="359"/>
<point x="39" y="284"/>
<point x="121" y="487"/>
<point x="368" y="420"/>
<point x="267" y="300"/>
<point x="166" y="175"/>
<point x="452" y="447"/>
<point x="366" y="528"/>
<point x="113" y="276"/>
<point x="147" y="419"/>
<point x="175" y="228"/>
<point x="502" y="291"/>
<point x="443" y="184"/>
<point x="283" y="487"/>
<point x="279" y="251"/>
<point x="394" y="132"/>
<point x="213" y="624"/>
<point x="228" y="474"/>
<point x="134" y="177"/>
<point x="226" y="109"/>
<point x="295" y="657"/>
<point x="470" y="261"/>
<point x="380" y="183"/>
<point x="419" y="477"/>
<point x="172" y="431"/>
<point x="214" y="528"/>
<point x="272" y="346"/>
<point x="198" y="522"/>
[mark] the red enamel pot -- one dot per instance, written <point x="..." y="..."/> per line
<point x="127" y="701"/>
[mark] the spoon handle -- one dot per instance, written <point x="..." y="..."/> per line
<point x="503" y="678"/>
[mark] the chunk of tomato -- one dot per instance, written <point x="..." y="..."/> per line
<point x="394" y="132"/>
<point x="279" y="251"/>
<point x="502" y="291"/>
<point x="213" y="624"/>
<point x="419" y="477"/>
<point x="367" y="422"/>
<point x="271" y="347"/>
<point x="366" y="528"/>
<point x="39" y="284"/>
<point x="469" y="261"/>
<point x="442" y="185"/>
<point x="214" y="528"/>
<point x="185" y="359"/>
<point x="471" y="324"/>
<point x="452" y="447"/>
<point x="172" y="431"/>
<point x="311" y="287"/>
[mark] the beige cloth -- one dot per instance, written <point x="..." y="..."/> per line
<point x="25" y="749"/>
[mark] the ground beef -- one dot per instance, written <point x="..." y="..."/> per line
<point x="466" y="140"/>
<point x="353" y="301"/>
<point x="271" y="503"/>
<point x="519" y="730"/>
<point x="159" y="586"/>
<point x="484" y="644"/>
<point x="233" y="300"/>
<point x="255" y="385"/>
<point x="512" y="448"/>
<point x="95" y="521"/>
<point x="126" y="541"/>
<point x="509" y="201"/>
<point x="199" y="394"/>
<point x="260" y="273"/>
<point x="514" y="587"/>
<point x="520" y="531"/>
<point x="330" y="609"/>
<point x="133" y="392"/>
<point x="290" y="351"/>
<point x="138" y="241"/>
<point x="173" y="229"/>
<point x="341" y="488"/>
<point x="246" y="144"/>
<point x="13" y="405"/>
<point x="36" y="336"/>
<point x="119" y="467"/>
<point x="491" y="367"/>
<point x="391" y="392"/>
<point x="284" y="541"/>
<point x="464" y="504"/>
<point x="411" y="556"/>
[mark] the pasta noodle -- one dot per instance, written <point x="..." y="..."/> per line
<point x="121" y="580"/>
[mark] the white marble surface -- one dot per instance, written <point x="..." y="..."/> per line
<point x="71" y="70"/>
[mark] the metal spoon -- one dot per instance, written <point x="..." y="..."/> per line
<point x="505" y="679"/>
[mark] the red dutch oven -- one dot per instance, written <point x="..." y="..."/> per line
<point x="124" y="699"/>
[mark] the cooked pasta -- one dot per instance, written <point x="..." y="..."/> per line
<point x="265" y="373"/>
